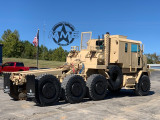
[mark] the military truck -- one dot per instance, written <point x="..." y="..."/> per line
<point x="104" y="64"/>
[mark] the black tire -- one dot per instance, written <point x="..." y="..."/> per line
<point x="142" y="88"/>
<point x="48" y="90"/>
<point x="97" y="86"/>
<point x="62" y="95"/>
<point x="116" y="78"/>
<point x="74" y="88"/>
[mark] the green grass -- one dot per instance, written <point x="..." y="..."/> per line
<point x="33" y="62"/>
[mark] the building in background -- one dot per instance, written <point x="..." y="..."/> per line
<point x="154" y="66"/>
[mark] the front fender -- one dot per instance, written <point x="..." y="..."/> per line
<point x="140" y="73"/>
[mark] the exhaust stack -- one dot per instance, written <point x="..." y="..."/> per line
<point x="107" y="48"/>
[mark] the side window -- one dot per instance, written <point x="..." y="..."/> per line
<point x="19" y="64"/>
<point x="8" y="64"/>
<point x="134" y="48"/>
<point x="11" y="64"/>
<point x="126" y="47"/>
<point x="100" y="44"/>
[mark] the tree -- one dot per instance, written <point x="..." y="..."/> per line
<point x="13" y="47"/>
<point x="59" y="54"/>
<point x="6" y="34"/>
<point x="43" y="52"/>
<point x="29" y="50"/>
<point x="153" y="58"/>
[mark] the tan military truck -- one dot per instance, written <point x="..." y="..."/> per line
<point x="107" y="63"/>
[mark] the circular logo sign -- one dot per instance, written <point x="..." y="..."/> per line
<point x="64" y="33"/>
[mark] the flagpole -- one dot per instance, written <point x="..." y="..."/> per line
<point x="37" y="47"/>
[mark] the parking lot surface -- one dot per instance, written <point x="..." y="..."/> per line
<point x="122" y="106"/>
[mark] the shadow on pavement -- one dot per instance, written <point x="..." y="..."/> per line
<point x="121" y="93"/>
<point x="124" y="93"/>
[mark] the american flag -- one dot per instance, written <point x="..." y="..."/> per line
<point x="35" y="41"/>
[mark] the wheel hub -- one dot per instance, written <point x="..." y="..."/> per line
<point x="99" y="88"/>
<point x="48" y="90"/>
<point x="115" y="75"/>
<point x="76" y="89"/>
<point x="145" y="86"/>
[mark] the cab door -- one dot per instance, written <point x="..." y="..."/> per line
<point x="135" y="57"/>
<point x="11" y="67"/>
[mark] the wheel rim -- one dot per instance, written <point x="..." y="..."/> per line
<point x="76" y="89"/>
<point x="145" y="86"/>
<point x="48" y="90"/>
<point x="99" y="88"/>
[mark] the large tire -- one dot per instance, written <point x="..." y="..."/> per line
<point x="116" y="78"/>
<point x="48" y="90"/>
<point x="74" y="88"/>
<point x="97" y="86"/>
<point x="143" y="86"/>
<point x="62" y="95"/>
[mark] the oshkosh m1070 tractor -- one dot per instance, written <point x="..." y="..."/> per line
<point x="107" y="63"/>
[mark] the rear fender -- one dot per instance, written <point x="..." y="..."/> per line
<point x="30" y="86"/>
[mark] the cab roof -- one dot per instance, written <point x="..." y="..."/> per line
<point x="124" y="38"/>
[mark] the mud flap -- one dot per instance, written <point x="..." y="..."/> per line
<point x="30" y="86"/>
<point x="7" y="82"/>
<point x="37" y="100"/>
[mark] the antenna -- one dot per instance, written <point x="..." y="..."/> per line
<point x="102" y="36"/>
<point x="98" y="37"/>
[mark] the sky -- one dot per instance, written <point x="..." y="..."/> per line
<point x="137" y="19"/>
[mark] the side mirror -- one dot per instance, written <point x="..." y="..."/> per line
<point x="142" y="48"/>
